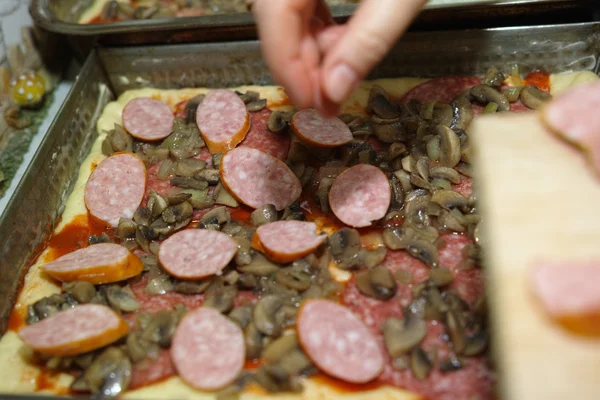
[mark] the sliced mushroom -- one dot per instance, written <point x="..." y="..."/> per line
<point x="423" y="251"/>
<point x="493" y="77"/>
<point x="242" y="315"/>
<point x="533" y="97"/>
<point x="462" y="112"/>
<point x="160" y="328"/>
<point x="372" y="258"/>
<point x="441" y="276"/>
<point x="110" y="10"/>
<point x="486" y="94"/>
<point x="293" y="278"/>
<point x="512" y="94"/>
<point x="189" y="167"/>
<point x="377" y="282"/>
<point x="191" y="107"/>
<point x="476" y="344"/>
<point x="179" y="213"/>
<point x="216" y="216"/>
<point x="278" y="348"/>
<point x="456" y="332"/>
<point x="222" y="196"/>
<point x="449" y="146"/>
<point x="83" y="292"/>
<point x="380" y="105"/>
<point x="256" y="105"/>
<point x="209" y="175"/>
<point x="445" y="173"/>
<point x="345" y="246"/>
<point x="420" y="364"/>
<point x="189" y="182"/>
<point x="109" y="373"/>
<point x="259" y="266"/>
<point x="449" y="199"/>
<point x="451" y="363"/>
<point x="254" y="341"/>
<point x="389" y="133"/>
<point x="401" y="336"/>
<point x="264" y="315"/>
<point x="263" y="215"/>
<point x="121" y="299"/>
<point x="220" y="297"/>
<point x="192" y="287"/>
<point x="279" y="121"/>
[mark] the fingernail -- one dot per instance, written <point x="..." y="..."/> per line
<point x="340" y="83"/>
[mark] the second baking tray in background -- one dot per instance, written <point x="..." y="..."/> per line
<point x="61" y="16"/>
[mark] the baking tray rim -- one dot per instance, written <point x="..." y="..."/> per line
<point x="42" y="16"/>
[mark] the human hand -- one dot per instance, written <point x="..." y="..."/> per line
<point x="320" y="63"/>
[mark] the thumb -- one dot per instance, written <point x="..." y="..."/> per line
<point x="370" y="34"/>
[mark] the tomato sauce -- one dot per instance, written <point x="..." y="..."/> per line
<point x="539" y="79"/>
<point x="74" y="236"/>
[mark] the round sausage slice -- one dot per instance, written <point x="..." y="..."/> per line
<point x="97" y="264"/>
<point x="196" y="253"/>
<point x="75" y="331"/>
<point x="116" y="188"/>
<point x="148" y="119"/>
<point x="338" y="342"/>
<point x="208" y="349"/>
<point x="360" y="195"/>
<point x="316" y="130"/>
<point x="574" y="116"/>
<point x="569" y="294"/>
<point x="256" y="178"/>
<point x="286" y="241"/>
<point x="223" y="120"/>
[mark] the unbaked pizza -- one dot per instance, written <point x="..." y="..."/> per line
<point x="220" y="242"/>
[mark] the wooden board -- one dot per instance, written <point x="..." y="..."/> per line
<point x="539" y="200"/>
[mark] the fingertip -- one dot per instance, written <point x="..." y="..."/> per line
<point x="339" y="82"/>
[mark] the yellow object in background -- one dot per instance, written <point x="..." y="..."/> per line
<point x="27" y="89"/>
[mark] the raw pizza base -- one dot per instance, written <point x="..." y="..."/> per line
<point x="20" y="377"/>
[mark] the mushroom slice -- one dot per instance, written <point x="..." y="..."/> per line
<point x="109" y="373"/>
<point x="401" y="336"/>
<point x="278" y="348"/>
<point x="533" y="97"/>
<point x="449" y="199"/>
<point x="486" y="94"/>
<point x="345" y="247"/>
<point x="449" y="146"/>
<point x="264" y="315"/>
<point x="377" y="282"/>
<point x="263" y="215"/>
<point x="379" y="104"/>
<point x="259" y="266"/>
<point x="279" y="121"/>
<point x="420" y="364"/>
<point x="423" y="251"/>
<point x="445" y="173"/>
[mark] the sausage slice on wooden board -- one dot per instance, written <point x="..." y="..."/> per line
<point x="196" y="253"/>
<point x="256" y="178"/>
<point x="338" y="342"/>
<point x="97" y="264"/>
<point x="116" y="188"/>
<point x="569" y="294"/>
<point x="574" y="117"/>
<point x="316" y="130"/>
<point x="148" y="119"/>
<point x="287" y="241"/>
<point x="360" y="195"/>
<point x="75" y="331"/>
<point x="208" y="349"/>
<point x="223" y="120"/>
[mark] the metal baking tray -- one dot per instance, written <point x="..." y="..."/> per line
<point x="36" y="205"/>
<point x="61" y="16"/>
